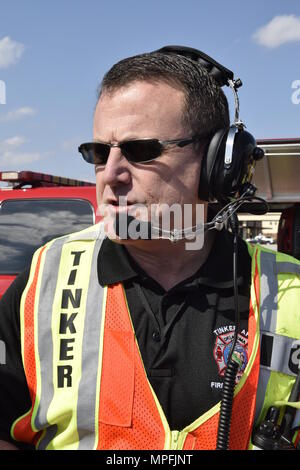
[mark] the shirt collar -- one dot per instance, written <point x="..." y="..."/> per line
<point x="115" y="264"/>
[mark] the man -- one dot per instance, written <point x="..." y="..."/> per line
<point x="124" y="341"/>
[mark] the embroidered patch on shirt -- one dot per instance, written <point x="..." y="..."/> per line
<point x="222" y="349"/>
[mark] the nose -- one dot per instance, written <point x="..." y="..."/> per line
<point x="116" y="171"/>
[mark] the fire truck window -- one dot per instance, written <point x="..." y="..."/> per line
<point x="25" y="225"/>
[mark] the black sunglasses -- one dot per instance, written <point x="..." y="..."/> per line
<point x="135" y="151"/>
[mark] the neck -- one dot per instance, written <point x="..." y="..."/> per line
<point x="170" y="263"/>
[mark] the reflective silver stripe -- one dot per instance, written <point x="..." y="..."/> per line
<point x="264" y="376"/>
<point x="45" y="340"/>
<point x="95" y="232"/>
<point x="86" y="405"/>
<point x="286" y="268"/>
<point x="268" y="317"/>
<point x="47" y="438"/>
<point x="268" y="292"/>
<point x="281" y="352"/>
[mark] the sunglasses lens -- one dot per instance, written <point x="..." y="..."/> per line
<point x="138" y="151"/>
<point x="95" y="153"/>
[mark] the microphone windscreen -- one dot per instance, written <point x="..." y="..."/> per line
<point x="128" y="227"/>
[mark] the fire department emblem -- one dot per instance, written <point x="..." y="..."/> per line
<point x="222" y="349"/>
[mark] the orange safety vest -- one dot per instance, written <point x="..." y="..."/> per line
<point x="122" y="411"/>
<point x="129" y="416"/>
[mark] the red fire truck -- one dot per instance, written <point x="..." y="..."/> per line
<point x="34" y="208"/>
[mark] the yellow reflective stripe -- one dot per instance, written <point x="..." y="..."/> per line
<point x="288" y="298"/>
<point x="100" y="368"/>
<point x="63" y="408"/>
<point x="288" y="302"/>
<point x="293" y="404"/>
<point x="279" y="385"/>
<point x="263" y="379"/>
<point x="181" y="439"/>
<point x="177" y="440"/>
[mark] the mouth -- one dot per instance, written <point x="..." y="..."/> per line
<point x="118" y="202"/>
<point x="118" y="205"/>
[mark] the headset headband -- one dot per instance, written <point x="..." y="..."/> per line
<point x="228" y="165"/>
<point x="220" y="73"/>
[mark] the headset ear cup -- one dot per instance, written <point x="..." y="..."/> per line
<point x="218" y="180"/>
<point x="207" y="189"/>
<point x="242" y="154"/>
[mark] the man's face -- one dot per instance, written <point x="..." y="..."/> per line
<point x="137" y="111"/>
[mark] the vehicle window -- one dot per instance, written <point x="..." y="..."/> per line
<point x="27" y="224"/>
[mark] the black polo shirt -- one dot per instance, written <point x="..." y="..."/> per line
<point x="184" y="334"/>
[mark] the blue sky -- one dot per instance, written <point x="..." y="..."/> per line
<point x="54" y="54"/>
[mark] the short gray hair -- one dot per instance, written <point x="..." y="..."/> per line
<point x="206" y="106"/>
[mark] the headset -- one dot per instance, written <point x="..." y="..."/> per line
<point x="228" y="165"/>
<point x="226" y="172"/>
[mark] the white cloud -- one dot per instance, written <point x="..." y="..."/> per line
<point x="12" y="142"/>
<point x="10" y="52"/>
<point x="280" y="30"/>
<point x="17" y="114"/>
<point x="11" y="156"/>
<point x="11" y="159"/>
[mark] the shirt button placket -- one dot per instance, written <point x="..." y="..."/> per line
<point x="156" y="336"/>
